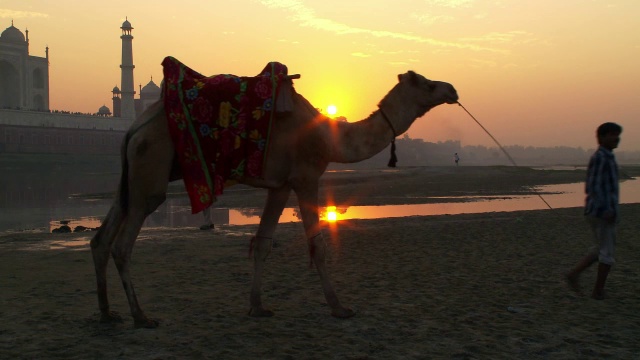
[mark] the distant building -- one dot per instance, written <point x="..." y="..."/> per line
<point x="117" y="102"/>
<point x="124" y="103"/>
<point x="27" y="125"/>
<point x="149" y="94"/>
<point x="24" y="79"/>
<point x="127" y="110"/>
<point x="104" y="111"/>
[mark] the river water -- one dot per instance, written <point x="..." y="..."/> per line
<point x="31" y="204"/>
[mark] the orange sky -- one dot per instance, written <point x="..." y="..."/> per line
<point x="534" y="73"/>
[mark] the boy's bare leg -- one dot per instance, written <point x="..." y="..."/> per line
<point x="603" y="272"/>
<point x="573" y="276"/>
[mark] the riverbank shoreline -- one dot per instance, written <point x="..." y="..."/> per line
<point x="412" y="185"/>
<point x="31" y="205"/>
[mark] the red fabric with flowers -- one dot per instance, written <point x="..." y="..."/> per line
<point x="219" y="126"/>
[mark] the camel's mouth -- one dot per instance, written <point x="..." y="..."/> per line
<point x="451" y="96"/>
<point x="453" y="99"/>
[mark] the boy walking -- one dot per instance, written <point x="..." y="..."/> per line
<point x="601" y="208"/>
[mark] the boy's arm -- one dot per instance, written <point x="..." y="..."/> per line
<point x="608" y="189"/>
<point x="602" y="188"/>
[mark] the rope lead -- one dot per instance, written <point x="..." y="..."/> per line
<point x="503" y="150"/>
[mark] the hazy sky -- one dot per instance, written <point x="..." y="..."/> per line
<point x="539" y="73"/>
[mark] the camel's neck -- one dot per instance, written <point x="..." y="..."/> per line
<point x="401" y="110"/>
<point x="361" y="140"/>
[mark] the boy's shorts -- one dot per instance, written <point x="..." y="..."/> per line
<point x="605" y="236"/>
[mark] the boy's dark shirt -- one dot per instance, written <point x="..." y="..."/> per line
<point x="602" y="186"/>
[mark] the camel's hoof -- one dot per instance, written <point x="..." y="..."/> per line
<point x="110" y="317"/>
<point x="343" y="313"/>
<point x="260" y="312"/>
<point x="145" y="324"/>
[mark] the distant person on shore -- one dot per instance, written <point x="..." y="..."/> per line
<point x="208" y="222"/>
<point x="601" y="209"/>
<point x="456" y="158"/>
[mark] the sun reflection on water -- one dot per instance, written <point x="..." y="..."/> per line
<point x="176" y="212"/>
<point x="331" y="214"/>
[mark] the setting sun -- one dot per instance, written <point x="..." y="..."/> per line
<point x="332" y="110"/>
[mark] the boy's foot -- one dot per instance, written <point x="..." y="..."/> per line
<point x="207" y="227"/>
<point x="573" y="283"/>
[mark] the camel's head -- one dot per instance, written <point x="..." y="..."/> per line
<point x="430" y="93"/>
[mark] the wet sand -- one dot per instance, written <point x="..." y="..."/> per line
<point x="476" y="286"/>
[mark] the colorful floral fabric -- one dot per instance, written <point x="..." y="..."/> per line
<point x="219" y="125"/>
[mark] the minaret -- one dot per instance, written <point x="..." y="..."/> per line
<point x="46" y="51"/>
<point x="128" y="109"/>
<point x="117" y="102"/>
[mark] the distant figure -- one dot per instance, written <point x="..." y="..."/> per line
<point x="208" y="223"/>
<point x="456" y="158"/>
<point x="601" y="209"/>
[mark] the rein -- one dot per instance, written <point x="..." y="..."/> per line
<point x="394" y="159"/>
<point x="386" y="118"/>
<point x="503" y="150"/>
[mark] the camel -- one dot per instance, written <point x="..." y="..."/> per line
<point x="303" y="143"/>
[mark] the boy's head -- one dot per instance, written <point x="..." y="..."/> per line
<point x="609" y="135"/>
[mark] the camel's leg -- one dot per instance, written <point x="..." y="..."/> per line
<point x="121" y="252"/>
<point x="150" y="161"/>
<point x="276" y="201"/>
<point x="308" y="201"/>
<point x="148" y="183"/>
<point x="100" y="246"/>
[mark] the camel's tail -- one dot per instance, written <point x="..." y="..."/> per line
<point x="123" y="187"/>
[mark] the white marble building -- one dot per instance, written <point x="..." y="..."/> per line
<point x="24" y="78"/>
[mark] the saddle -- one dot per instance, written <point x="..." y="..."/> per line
<point x="220" y="124"/>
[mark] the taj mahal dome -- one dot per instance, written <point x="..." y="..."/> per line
<point x="28" y="125"/>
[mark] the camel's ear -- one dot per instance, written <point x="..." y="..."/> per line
<point x="413" y="78"/>
<point x="409" y="76"/>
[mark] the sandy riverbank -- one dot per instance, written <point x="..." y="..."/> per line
<point x="486" y="286"/>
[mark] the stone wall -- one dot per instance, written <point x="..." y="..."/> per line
<point x="58" y="133"/>
<point x="62" y="120"/>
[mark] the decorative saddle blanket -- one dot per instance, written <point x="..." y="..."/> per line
<point x="220" y="125"/>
